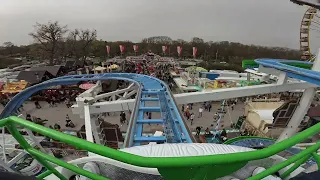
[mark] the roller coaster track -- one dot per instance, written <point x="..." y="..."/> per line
<point x="174" y="127"/>
<point x="191" y="167"/>
<point x="310" y="76"/>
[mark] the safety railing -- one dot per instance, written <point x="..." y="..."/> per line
<point x="193" y="139"/>
<point x="193" y="167"/>
<point x="133" y="120"/>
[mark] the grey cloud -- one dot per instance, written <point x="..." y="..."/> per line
<point x="263" y="22"/>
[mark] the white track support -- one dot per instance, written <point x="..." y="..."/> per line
<point x="127" y="95"/>
<point x="35" y="141"/>
<point x="282" y="78"/>
<point x="195" y="97"/>
<point x="20" y="155"/>
<point x="33" y="138"/>
<point x="302" y="108"/>
<point x="8" y="168"/>
<point x="298" y="114"/>
<point x="130" y="86"/>
<point x="93" y="91"/>
<point x="230" y="93"/>
<point x="94" y="128"/>
<point x="88" y="124"/>
<point x="113" y="94"/>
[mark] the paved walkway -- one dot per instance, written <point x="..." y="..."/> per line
<point x="58" y="115"/>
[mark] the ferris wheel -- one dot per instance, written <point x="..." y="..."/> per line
<point x="309" y="29"/>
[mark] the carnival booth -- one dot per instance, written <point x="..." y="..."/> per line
<point x="14" y="87"/>
<point x="250" y="83"/>
<point x="99" y="70"/>
<point x="194" y="73"/>
<point x="114" y="68"/>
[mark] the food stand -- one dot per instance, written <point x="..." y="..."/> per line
<point x="14" y="87"/>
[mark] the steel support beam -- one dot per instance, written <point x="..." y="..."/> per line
<point x="150" y="139"/>
<point x="93" y="91"/>
<point x="88" y="123"/>
<point x="282" y="78"/>
<point x="185" y="98"/>
<point x="150" y="121"/>
<point x="302" y="108"/>
<point x="229" y="93"/>
<point x="150" y="109"/>
<point x="117" y="92"/>
<point x="149" y="99"/>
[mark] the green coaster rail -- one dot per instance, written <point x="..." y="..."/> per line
<point x="171" y="168"/>
<point x="253" y="64"/>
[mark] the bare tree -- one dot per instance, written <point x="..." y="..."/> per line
<point x="196" y="40"/>
<point x="49" y="35"/>
<point x="72" y="42"/>
<point x="80" y="42"/>
<point x="9" y="46"/>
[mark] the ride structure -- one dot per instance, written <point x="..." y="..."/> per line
<point x="148" y="86"/>
<point x="196" y="167"/>
<point x="167" y="159"/>
<point x="309" y="24"/>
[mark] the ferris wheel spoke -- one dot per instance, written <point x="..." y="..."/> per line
<point x="310" y="24"/>
<point x="316" y="22"/>
<point x="315" y="27"/>
<point x="316" y="15"/>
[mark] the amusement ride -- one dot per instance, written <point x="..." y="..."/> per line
<point x="174" y="153"/>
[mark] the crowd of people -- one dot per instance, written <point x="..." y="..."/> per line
<point x="160" y="70"/>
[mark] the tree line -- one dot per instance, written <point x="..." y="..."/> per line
<point x="55" y="42"/>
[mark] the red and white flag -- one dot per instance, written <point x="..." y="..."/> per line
<point x="179" y="50"/>
<point x="164" y="49"/>
<point x="135" y="48"/>
<point x="121" y="48"/>
<point x="194" y="51"/>
<point x="108" y="49"/>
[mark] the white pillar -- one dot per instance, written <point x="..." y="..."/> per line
<point x="302" y="108"/>
<point x="282" y="78"/>
<point x="88" y="124"/>
<point x="94" y="129"/>
<point x="298" y="115"/>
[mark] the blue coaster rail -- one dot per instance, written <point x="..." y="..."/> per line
<point x="291" y="71"/>
<point x="174" y="126"/>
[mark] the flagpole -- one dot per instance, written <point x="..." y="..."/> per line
<point x="106" y="52"/>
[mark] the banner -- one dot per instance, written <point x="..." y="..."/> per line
<point x="108" y="49"/>
<point x="194" y="51"/>
<point x="179" y="50"/>
<point x="164" y="49"/>
<point x="121" y="48"/>
<point x="135" y="48"/>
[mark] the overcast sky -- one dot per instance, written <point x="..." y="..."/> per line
<point x="262" y="22"/>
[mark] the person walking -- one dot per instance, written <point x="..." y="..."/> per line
<point x="198" y="129"/>
<point x="192" y="118"/>
<point x="188" y="115"/>
<point x="200" y="111"/>
<point x="209" y="107"/>
<point x="232" y="106"/>
<point x="37" y="104"/>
